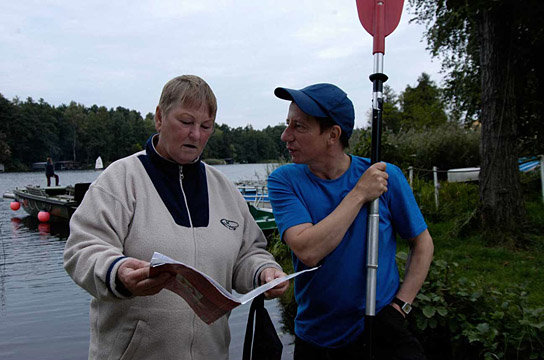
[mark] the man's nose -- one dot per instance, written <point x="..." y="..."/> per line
<point x="286" y="135"/>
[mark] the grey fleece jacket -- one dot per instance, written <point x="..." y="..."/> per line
<point x="192" y="213"/>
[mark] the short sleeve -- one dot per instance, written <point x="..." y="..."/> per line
<point x="406" y="215"/>
<point x="289" y="209"/>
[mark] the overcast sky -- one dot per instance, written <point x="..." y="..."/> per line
<point x="120" y="53"/>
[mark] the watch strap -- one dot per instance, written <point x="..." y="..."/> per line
<point x="406" y="307"/>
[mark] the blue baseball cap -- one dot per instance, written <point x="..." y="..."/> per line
<point x="324" y="101"/>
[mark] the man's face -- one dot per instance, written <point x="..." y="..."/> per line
<point x="183" y="133"/>
<point x="303" y="138"/>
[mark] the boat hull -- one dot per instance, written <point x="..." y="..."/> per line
<point x="60" y="208"/>
<point x="263" y="217"/>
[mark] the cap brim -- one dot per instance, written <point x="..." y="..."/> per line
<point x="303" y="101"/>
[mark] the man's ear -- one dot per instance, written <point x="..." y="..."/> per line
<point x="334" y="134"/>
<point x="158" y="119"/>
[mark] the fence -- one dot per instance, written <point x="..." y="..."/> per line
<point x="471" y="174"/>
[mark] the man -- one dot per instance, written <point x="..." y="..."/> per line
<point x="50" y="172"/>
<point x="319" y="207"/>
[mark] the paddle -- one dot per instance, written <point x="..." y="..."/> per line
<point x="379" y="18"/>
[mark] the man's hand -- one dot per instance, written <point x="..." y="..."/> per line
<point x="373" y="183"/>
<point x="269" y="274"/>
<point x="134" y="274"/>
<point x="398" y="309"/>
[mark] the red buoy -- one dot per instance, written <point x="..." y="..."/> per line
<point x="44" y="216"/>
<point x="15" y="205"/>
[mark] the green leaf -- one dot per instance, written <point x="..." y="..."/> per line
<point x="423" y="297"/>
<point x="429" y="311"/>
<point x="421" y="323"/>
<point x="483" y="327"/>
<point x="442" y="311"/>
<point x="539" y="325"/>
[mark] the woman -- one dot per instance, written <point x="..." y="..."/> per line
<point x="164" y="199"/>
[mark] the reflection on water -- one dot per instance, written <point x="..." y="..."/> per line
<point x="43" y="314"/>
<point x="55" y="229"/>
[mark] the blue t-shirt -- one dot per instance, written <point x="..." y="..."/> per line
<point x="331" y="300"/>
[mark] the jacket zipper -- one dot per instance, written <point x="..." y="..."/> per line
<point x="181" y="176"/>
<point x="184" y="197"/>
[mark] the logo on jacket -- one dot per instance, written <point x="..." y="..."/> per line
<point x="229" y="224"/>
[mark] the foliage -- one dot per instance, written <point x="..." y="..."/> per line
<point x="246" y="145"/>
<point x="457" y="201"/>
<point x="460" y="318"/>
<point x="417" y="108"/>
<point x="32" y="131"/>
<point x="446" y="146"/>
<point x="282" y="255"/>
<point x="422" y="106"/>
<point x="452" y="35"/>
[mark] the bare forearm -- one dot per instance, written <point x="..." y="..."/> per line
<point x="417" y="266"/>
<point x="311" y="243"/>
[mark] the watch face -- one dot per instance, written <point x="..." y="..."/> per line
<point x="407" y="308"/>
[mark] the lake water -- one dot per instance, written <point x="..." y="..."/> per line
<point x="43" y="314"/>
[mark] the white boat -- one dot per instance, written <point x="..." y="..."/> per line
<point x="98" y="165"/>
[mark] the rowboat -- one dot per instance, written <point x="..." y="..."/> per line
<point x="263" y="217"/>
<point x="59" y="201"/>
<point x="257" y="195"/>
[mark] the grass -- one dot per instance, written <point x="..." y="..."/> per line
<point x="498" y="266"/>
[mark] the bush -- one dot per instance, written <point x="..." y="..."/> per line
<point x="457" y="202"/>
<point x="458" y="318"/>
<point x="447" y="146"/>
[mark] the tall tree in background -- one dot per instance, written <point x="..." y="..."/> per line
<point x="491" y="41"/>
<point x="416" y="108"/>
<point x="422" y="106"/>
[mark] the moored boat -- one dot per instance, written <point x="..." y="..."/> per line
<point x="256" y="195"/>
<point x="263" y="217"/>
<point x="59" y="201"/>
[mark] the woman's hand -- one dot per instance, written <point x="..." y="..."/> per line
<point x="269" y="274"/>
<point x="134" y="274"/>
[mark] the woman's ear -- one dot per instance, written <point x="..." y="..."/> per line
<point x="158" y="119"/>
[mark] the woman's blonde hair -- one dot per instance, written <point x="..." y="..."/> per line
<point x="188" y="91"/>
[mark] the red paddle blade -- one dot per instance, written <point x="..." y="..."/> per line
<point x="380" y="18"/>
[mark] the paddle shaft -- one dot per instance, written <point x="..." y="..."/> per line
<point x="373" y="231"/>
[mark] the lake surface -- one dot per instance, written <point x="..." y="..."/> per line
<point x="43" y="313"/>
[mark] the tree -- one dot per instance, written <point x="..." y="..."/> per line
<point x="7" y="111"/>
<point x="74" y="116"/>
<point x="417" y="108"/>
<point x="392" y="119"/>
<point x="490" y="41"/>
<point x="422" y="106"/>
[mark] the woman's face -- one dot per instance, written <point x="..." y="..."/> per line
<point x="183" y="133"/>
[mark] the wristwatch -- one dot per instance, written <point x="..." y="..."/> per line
<point x="406" y="307"/>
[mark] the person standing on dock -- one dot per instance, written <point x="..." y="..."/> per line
<point x="50" y="172"/>
<point x="318" y="204"/>
<point x="165" y="199"/>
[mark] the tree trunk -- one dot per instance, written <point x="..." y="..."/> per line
<point x="501" y="203"/>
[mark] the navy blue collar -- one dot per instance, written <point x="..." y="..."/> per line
<point x="166" y="177"/>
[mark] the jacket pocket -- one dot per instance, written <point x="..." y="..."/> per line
<point x="138" y="337"/>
